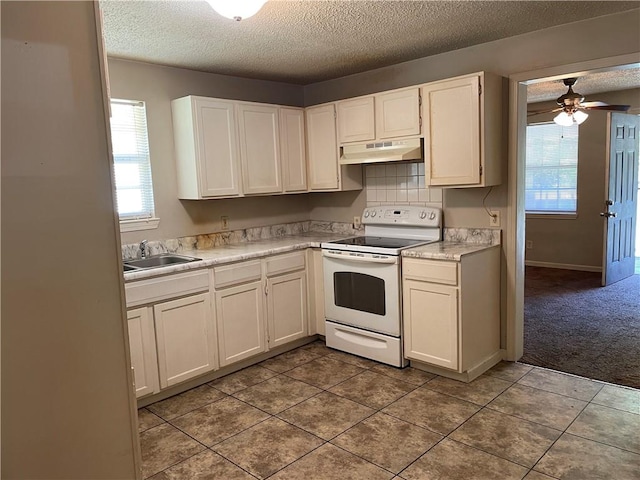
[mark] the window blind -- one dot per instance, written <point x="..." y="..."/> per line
<point x="551" y="168"/>
<point x="132" y="167"/>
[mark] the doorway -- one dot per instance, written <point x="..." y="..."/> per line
<point x="561" y="278"/>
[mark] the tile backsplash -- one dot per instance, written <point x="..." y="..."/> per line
<point x="399" y="183"/>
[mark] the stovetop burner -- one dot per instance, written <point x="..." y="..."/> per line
<point x="380" y="242"/>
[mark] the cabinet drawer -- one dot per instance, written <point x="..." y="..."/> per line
<point x="435" y="271"/>
<point x="284" y="263"/>
<point x="163" y="288"/>
<point x="227" y="275"/>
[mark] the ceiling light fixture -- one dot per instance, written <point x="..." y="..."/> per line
<point x="566" y="118"/>
<point x="236" y="9"/>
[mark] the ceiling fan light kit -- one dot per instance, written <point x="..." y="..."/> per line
<point x="572" y="106"/>
<point x="237" y="9"/>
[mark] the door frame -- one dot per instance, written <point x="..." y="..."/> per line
<point x="515" y="232"/>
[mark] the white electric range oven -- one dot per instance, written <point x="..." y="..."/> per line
<point x="363" y="300"/>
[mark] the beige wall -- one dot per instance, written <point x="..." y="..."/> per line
<point x="607" y="36"/>
<point x="67" y="399"/>
<point x="604" y="37"/>
<point x="157" y="86"/>
<point x="579" y="241"/>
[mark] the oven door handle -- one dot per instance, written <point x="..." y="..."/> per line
<point x="349" y="258"/>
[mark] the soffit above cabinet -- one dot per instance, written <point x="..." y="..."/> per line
<point x="309" y="41"/>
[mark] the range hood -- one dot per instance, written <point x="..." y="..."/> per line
<point x="389" y="151"/>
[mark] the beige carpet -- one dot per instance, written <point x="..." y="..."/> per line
<point x="573" y="325"/>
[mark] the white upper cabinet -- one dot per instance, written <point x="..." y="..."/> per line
<point x="356" y="120"/>
<point x="322" y="147"/>
<point x="324" y="173"/>
<point x="206" y="148"/>
<point x="398" y="113"/>
<point x="292" y="150"/>
<point x="258" y="132"/>
<point x="462" y="131"/>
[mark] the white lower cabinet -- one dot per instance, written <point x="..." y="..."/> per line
<point x="179" y="330"/>
<point x="260" y="305"/>
<point x="240" y="320"/>
<point x="452" y="313"/>
<point x="287" y="308"/>
<point x="185" y="338"/>
<point x="171" y="330"/>
<point x="315" y="290"/>
<point x="142" y="344"/>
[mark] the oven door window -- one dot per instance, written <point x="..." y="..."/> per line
<point x="358" y="291"/>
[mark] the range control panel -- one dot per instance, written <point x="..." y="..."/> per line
<point x="409" y="215"/>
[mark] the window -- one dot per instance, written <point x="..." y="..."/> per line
<point x="132" y="167"/>
<point x="551" y="172"/>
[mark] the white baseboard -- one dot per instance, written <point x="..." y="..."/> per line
<point x="563" y="266"/>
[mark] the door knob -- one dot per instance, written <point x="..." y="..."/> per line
<point x="608" y="214"/>
<point x="609" y="202"/>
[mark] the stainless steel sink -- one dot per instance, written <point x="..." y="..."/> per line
<point x="155" y="261"/>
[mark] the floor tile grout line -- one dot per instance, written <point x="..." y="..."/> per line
<point x="380" y="410"/>
<point x="298" y="459"/>
<point x="600" y="442"/>
<point x="494" y="454"/>
<point x="225" y="395"/>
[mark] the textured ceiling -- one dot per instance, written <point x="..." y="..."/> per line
<point x="308" y="41"/>
<point x="588" y="85"/>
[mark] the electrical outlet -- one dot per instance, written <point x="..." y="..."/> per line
<point x="529" y="244"/>
<point x="356" y="222"/>
<point x="224" y="222"/>
<point x="494" y="219"/>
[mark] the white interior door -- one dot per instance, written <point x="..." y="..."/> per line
<point x="621" y="198"/>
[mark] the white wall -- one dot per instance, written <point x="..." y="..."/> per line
<point x="157" y="86"/>
<point x="67" y="399"/>
<point x="579" y="241"/>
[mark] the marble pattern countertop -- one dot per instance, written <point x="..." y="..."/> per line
<point x="447" y="250"/>
<point x="237" y="252"/>
<point x="217" y="249"/>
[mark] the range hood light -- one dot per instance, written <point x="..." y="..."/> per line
<point x="236" y="9"/>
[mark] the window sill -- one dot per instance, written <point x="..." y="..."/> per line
<point x="142" y="224"/>
<point x="551" y="216"/>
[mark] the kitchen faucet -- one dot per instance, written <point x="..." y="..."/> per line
<point x="143" y="247"/>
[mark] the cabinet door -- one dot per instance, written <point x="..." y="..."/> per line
<point x="240" y="321"/>
<point x="186" y="338"/>
<point x="322" y="147"/>
<point x="217" y="152"/>
<point x="292" y="150"/>
<point x="287" y="308"/>
<point x="356" y="120"/>
<point x="398" y="114"/>
<point x="431" y="323"/>
<point x="259" y="148"/>
<point x="142" y="345"/>
<point x="451" y="115"/>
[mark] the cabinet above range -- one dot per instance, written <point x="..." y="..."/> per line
<point x="386" y="115"/>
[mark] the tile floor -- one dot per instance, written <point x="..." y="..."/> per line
<point x="315" y="413"/>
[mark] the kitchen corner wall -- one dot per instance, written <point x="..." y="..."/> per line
<point x="157" y="85"/>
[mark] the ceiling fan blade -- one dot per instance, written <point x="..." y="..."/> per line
<point x="613" y="108"/>
<point x="593" y="104"/>
<point x="538" y="112"/>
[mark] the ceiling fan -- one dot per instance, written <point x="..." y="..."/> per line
<point x="572" y="106"/>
